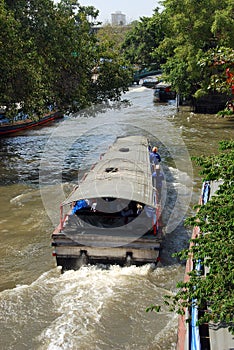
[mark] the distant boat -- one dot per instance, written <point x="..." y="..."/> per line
<point x="163" y="93"/>
<point x="115" y="214"/>
<point x="7" y="128"/>
<point x="150" y="82"/>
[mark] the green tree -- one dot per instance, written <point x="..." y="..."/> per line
<point x="50" y="55"/>
<point x="193" y="28"/>
<point x="113" y="78"/>
<point x="115" y="35"/>
<point x="19" y="73"/>
<point x="217" y="68"/>
<point x="112" y="73"/>
<point x="142" y="40"/>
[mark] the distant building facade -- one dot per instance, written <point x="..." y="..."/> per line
<point x="118" y="19"/>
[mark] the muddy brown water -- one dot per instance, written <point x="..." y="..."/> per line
<point x="95" y="307"/>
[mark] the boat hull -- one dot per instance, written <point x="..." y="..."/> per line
<point x="97" y="249"/>
<point x="17" y="127"/>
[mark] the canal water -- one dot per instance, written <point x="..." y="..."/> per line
<point x="95" y="308"/>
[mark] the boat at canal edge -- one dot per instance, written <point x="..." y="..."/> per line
<point x="163" y="93"/>
<point x="113" y="216"/>
<point x="190" y="335"/>
<point x="21" y="125"/>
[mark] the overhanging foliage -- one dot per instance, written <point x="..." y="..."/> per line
<point x="48" y="52"/>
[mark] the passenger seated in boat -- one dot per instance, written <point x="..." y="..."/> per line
<point x="93" y="206"/>
<point x="80" y="204"/>
<point x="127" y="211"/>
<point x="130" y="209"/>
<point x="139" y="208"/>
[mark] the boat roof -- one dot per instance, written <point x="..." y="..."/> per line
<point x="123" y="172"/>
<point x="163" y="84"/>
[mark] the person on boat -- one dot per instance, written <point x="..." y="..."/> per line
<point x="93" y="206"/>
<point x="126" y="213"/>
<point x="130" y="209"/>
<point x="139" y="208"/>
<point x="157" y="179"/>
<point x="151" y="214"/>
<point x="155" y="157"/>
<point x="80" y="204"/>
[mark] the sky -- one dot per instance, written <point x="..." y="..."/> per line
<point x="133" y="9"/>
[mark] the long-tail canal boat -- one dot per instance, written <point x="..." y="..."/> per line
<point x="113" y="216"/>
<point x="7" y="128"/>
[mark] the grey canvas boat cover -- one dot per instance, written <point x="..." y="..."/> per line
<point x="123" y="172"/>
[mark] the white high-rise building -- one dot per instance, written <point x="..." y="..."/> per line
<point x="118" y="19"/>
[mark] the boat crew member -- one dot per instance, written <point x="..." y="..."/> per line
<point x="157" y="179"/>
<point x="155" y="157"/>
<point x="80" y="204"/>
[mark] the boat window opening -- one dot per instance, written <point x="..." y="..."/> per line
<point x="111" y="170"/>
<point x="104" y="220"/>
<point x="100" y="218"/>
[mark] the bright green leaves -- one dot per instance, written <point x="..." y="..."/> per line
<point x="215" y="65"/>
<point x="48" y="53"/>
<point x="143" y="39"/>
<point x="113" y="76"/>
<point x="196" y="27"/>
